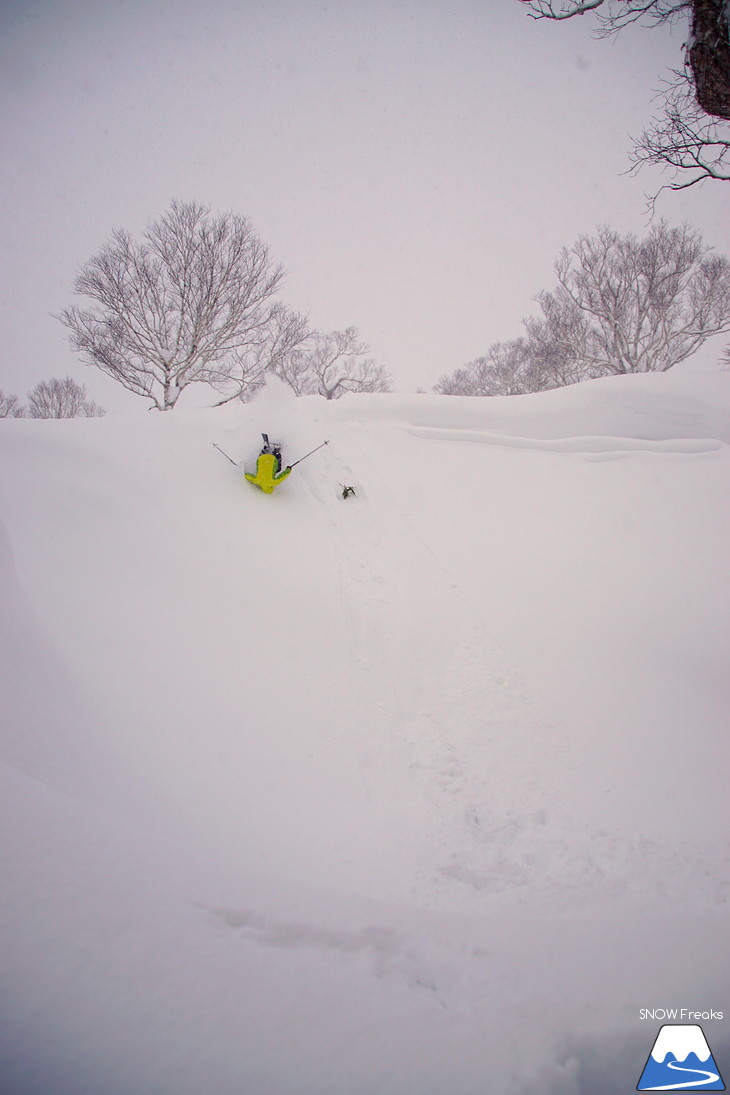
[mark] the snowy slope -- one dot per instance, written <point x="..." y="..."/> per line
<point x="416" y="791"/>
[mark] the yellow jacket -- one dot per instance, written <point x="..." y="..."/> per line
<point x="267" y="477"/>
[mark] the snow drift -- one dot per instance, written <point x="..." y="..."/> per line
<point x="421" y="790"/>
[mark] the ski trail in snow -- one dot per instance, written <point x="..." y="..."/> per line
<point x="490" y="767"/>
<point x="468" y="735"/>
<point x="395" y="594"/>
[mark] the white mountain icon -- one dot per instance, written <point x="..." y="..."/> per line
<point x="680" y="1060"/>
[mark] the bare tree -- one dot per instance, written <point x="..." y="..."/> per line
<point x="192" y="302"/>
<point x="332" y="364"/>
<point x="10" y="406"/>
<point x="628" y="305"/>
<point x="687" y="135"/>
<point x="61" y="399"/>
<point x="339" y="364"/>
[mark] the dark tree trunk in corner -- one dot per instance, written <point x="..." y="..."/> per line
<point x="709" y="56"/>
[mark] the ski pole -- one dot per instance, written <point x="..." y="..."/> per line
<point x="309" y="454"/>
<point x="220" y="450"/>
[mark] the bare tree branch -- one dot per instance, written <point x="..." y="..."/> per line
<point x="683" y="139"/>
<point x="616" y="14"/>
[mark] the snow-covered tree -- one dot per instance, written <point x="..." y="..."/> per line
<point x="192" y="302"/>
<point x="332" y="364"/>
<point x="507" y="368"/>
<point x="630" y="305"/>
<point x="513" y="368"/>
<point x="61" y="399"/>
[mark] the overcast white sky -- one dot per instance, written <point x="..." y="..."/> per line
<point x="416" y="165"/>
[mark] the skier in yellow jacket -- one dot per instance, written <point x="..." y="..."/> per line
<point x="268" y="468"/>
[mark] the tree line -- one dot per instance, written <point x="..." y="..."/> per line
<point x="622" y="304"/>
<point x="196" y="301"/>
<point x="57" y="398"/>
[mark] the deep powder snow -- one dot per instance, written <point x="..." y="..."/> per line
<point x="419" y="791"/>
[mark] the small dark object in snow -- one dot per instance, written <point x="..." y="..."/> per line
<point x="347" y="491"/>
